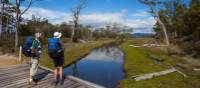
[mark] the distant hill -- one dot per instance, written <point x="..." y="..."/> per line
<point x="141" y="35"/>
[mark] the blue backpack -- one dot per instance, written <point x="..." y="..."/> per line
<point x="53" y="45"/>
<point x="26" y="48"/>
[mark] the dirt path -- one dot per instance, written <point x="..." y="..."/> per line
<point x="6" y="61"/>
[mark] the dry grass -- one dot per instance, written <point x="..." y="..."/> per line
<point x="7" y="61"/>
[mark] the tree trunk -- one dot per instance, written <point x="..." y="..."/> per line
<point x="175" y="34"/>
<point x="17" y="23"/>
<point x="7" y="24"/>
<point x="1" y="17"/>
<point x="164" y="30"/>
<point x="16" y="36"/>
<point x="16" y="33"/>
<point x="72" y="34"/>
<point x="0" y="27"/>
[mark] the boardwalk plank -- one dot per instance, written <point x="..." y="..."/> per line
<point x="74" y="85"/>
<point x="11" y="71"/>
<point x="81" y="87"/>
<point x="66" y="82"/>
<point x="44" y="83"/>
<point x="18" y="77"/>
<point x="26" y="85"/>
<point x="66" y="85"/>
<point x="15" y="83"/>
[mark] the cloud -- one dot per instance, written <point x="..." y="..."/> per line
<point x="141" y="14"/>
<point x="54" y="17"/>
<point x="144" y="24"/>
<point x="141" y="25"/>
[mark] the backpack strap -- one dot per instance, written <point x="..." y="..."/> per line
<point x="35" y="45"/>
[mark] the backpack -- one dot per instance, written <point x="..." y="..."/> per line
<point x="54" y="45"/>
<point x="26" y="48"/>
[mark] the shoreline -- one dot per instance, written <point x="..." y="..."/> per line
<point x="75" y="54"/>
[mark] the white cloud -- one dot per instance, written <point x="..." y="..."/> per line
<point x="55" y="17"/>
<point x="141" y="14"/>
<point x="97" y="19"/>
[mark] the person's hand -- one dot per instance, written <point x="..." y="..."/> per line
<point x="39" y="52"/>
<point x="33" y="50"/>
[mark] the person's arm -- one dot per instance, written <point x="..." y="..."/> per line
<point x="62" y="45"/>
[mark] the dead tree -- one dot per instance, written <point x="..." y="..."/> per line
<point x="19" y="14"/>
<point x="153" y="9"/>
<point x="76" y="11"/>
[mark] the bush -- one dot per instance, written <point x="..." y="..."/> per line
<point x="7" y="43"/>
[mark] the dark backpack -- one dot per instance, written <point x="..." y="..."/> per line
<point x="54" y="45"/>
<point x="26" y="48"/>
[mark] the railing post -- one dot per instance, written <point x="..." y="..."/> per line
<point x="20" y="53"/>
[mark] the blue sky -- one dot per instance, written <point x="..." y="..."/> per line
<point x="98" y="13"/>
<point x="93" y="5"/>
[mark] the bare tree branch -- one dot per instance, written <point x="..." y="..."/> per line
<point x="30" y="3"/>
<point x="76" y="15"/>
<point x="18" y="16"/>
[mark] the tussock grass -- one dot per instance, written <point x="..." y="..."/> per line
<point x="137" y="62"/>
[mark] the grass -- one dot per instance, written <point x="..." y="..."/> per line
<point x="137" y="62"/>
<point x="73" y="52"/>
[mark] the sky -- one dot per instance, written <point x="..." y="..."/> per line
<point x="97" y="13"/>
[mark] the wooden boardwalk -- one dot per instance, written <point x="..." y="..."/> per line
<point x="18" y="76"/>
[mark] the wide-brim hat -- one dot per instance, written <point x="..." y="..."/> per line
<point x="57" y="34"/>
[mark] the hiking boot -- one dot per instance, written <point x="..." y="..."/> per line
<point x="32" y="83"/>
<point x="55" y="82"/>
<point x="61" y="81"/>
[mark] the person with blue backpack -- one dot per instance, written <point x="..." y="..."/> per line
<point x="32" y="48"/>
<point x="56" y="52"/>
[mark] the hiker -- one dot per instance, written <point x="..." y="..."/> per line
<point x="56" y="52"/>
<point x="36" y="51"/>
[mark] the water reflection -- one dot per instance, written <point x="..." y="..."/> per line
<point x="102" y="66"/>
<point x="75" y="70"/>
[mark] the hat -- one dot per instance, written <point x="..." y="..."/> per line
<point x="57" y="34"/>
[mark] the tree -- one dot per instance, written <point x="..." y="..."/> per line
<point x="2" y="9"/>
<point x="154" y="10"/>
<point x="181" y="19"/>
<point x="65" y="29"/>
<point x="3" y="2"/>
<point x="76" y="17"/>
<point x="19" y="13"/>
<point x="6" y="16"/>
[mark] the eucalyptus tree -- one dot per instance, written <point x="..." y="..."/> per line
<point x="2" y="8"/>
<point x="76" y="11"/>
<point x="2" y="5"/>
<point x="19" y="13"/>
<point x="6" y="16"/>
<point x="155" y="7"/>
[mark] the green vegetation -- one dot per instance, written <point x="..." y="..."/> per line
<point x="181" y="20"/>
<point x="137" y="63"/>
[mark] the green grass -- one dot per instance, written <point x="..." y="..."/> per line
<point x="137" y="62"/>
<point x="73" y="51"/>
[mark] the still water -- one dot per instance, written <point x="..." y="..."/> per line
<point x="103" y="66"/>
